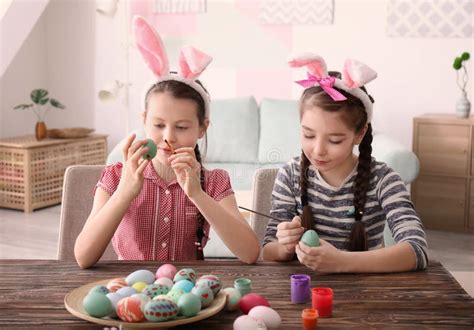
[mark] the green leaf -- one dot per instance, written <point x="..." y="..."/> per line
<point x="56" y="104"/>
<point x="44" y="101"/>
<point x="465" y="56"/>
<point x="38" y="94"/>
<point x="23" y="106"/>
<point x="457" y="63"/>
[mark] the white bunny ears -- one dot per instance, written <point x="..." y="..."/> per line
<point x="354" y="75"/>
<point x="192" y="62"/>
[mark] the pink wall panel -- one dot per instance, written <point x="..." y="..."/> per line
<point x="271" y="83"/>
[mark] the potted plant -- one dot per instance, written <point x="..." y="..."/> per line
<point x="463" y="106"/>
<point x="40" y="106"/>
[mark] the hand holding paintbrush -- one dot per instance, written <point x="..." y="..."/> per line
<point x="169" y="146"/>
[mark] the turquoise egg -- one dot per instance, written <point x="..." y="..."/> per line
<point x="185" y="274"/>
<point x="211" y="281"/>
<point x="310" y="238"/>
<point x="154" y="290"/>
<point x="185" y="285"/>
<point x="159" y="310"/>
<point x="151" y="149"/>
<point x="97" y="304"/>
<point x="99" y="289"/>
<point x="204" y="293"/>
<point x="189" y="305"/>
<point x="175" y="294"/>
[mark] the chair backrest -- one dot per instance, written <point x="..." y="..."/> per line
<point x="263" y="182"/>
<point x="78" y="196"/>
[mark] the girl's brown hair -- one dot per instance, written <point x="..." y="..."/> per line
<point x="181" y="90"/>
<point x="354" y="115"/>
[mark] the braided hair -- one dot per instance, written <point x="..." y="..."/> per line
<point x="183" y="91"/>
<point x="354" y="115"/>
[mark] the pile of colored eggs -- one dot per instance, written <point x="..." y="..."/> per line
<point x="157" y="297"/>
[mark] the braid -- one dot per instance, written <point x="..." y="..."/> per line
<point x="358" y="237"/>
<point x="200" y="233"/>
<point x="307" y="216"/>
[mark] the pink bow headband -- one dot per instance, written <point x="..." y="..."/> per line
<point x="354" y="75"/>
<point x="192" y="62"/>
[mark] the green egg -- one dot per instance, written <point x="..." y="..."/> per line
<point x="310" y="238"/>
<point x="189" y="304"/>
<point x="99" y="289"/>
<point x="97" y="304"/>
<point x="151" y="149"/>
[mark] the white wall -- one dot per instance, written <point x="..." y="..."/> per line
<point x="74" y="51"/>
<point x="57" y="55"/>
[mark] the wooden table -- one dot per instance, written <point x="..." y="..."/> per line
<point x="32" y="294"/>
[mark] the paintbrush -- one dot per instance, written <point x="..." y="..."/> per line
<point x="263" y="215"/>
<point x="169" y="146"/>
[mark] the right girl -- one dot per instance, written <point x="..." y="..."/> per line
<point x="346" y="198"/>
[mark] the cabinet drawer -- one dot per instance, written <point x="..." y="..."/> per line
<point x="442" y="149"/>
<point x="440" y="202"/>
<point x="471" y="206"/>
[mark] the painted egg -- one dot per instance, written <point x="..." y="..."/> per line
<point x="205" y="294"/>
<point x="142" y="275"/>
<point x="129" y="310"/>
<point x="232" y="299"/>
<point x="185" y="285"/>
<point x="114" y="298"/>
<point x="159" y="310"/>
<point x="175" y="294"/>
<point x="166" y="271"/>
<point x="97" y="304"/>
<point x="164" y="281"/>
<point x="99" y="289"/>
<point x="268" y="315"/>
<point x="310" y="238"/>
<point x="144" y="299"/>
<point x="126" y="291"/>
<point x="165" y="297"/>
<point x="139" y="286"/>
<point x="116" y="284"/>
<point x="211" y="281"/>
<point x="245" y="322"/>
<point x="251" y="300"/>
<point x="151" y="149"/>
<point x="189" y="305"/>
<point x="185" y="274"/>
<point x="154" y="290"/>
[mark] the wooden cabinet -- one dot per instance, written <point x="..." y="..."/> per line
<point x="443" y="193"/>
<point x="32" y="172"/>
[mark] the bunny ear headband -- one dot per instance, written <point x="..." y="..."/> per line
<point x="354" y="75"/>
<point x="192" y="62"/>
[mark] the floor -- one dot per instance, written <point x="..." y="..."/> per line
<point x="35" y="236"/>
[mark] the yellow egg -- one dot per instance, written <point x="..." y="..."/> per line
<point x="139" y="286"/>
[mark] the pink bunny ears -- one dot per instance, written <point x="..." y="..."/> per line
<point x="354" y="75"/>
<point x="192" y="62"/>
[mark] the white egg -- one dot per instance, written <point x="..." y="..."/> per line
<point x="165" y="281"/>
<point x="246" y="322"/>
<point x="268" y="315"/>
<point x="142" y="275"/>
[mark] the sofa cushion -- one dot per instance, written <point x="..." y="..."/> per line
<point x="279" y="131"/>
<point x="233" y="133"/>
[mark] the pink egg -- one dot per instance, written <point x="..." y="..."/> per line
<point x="251" y="300"/>
<point x="166" y="270"/>
<point x="268" y="315"/>
<point x="245" y="322"/>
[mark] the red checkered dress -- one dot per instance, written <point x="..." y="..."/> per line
<point x="161" y="222"/>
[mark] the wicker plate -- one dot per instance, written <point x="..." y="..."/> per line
<point x="73" y="303"/>
<point x="69" y="133"/>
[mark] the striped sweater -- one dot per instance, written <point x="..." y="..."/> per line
<point x="332" y="208"/>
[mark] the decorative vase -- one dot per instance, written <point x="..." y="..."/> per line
<point x="40" y="130"/>
<point x="463" y="107"/>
